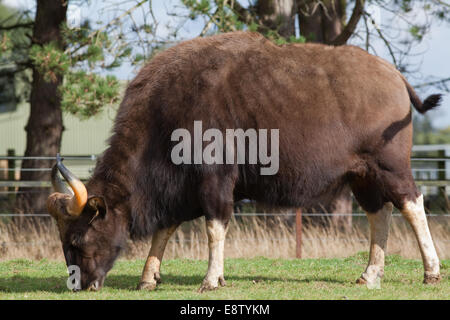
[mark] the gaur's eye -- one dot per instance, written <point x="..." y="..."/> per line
<point x="77" y="240"/>
<point x="81" y="252"/>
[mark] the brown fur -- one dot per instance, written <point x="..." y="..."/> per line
<point x="344" y="118"/>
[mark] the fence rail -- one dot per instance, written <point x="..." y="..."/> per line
<point x="319" y="214"/>
<point x="426" y="176"/>
<point x="91" y="157"/>
<point x="299" y="239"/>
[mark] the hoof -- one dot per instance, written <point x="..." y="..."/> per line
<point x="157" y="278"/>
<point x="222" y="282"/>
<point x="361" y="280"/>
<point x="206" y="286"/>
<point x="432" y="278"/>
<point x="147" y="286"/>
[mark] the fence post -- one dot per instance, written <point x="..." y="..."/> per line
<point x="11" y="172"/>
<point x="298" y="233"/>
<point x="442" y="175"/>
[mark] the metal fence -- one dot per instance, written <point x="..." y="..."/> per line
<point x="430" y="172"/>
<point x="299" y="238"/>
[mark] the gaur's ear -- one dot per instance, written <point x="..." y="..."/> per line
<point x="97" y="204"/>
<point x="57" y="206"/>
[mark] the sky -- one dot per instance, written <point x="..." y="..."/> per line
<point x="433" y="54"/>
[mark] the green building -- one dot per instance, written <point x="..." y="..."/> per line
<point x="80" y="137"/>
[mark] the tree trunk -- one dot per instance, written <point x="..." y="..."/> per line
<point x="44" y="127"/>
<point x="278" y="15"/>
<point x="310" y="20"/>
<point x="321" y="21"/>
<point x="332" y="22"/>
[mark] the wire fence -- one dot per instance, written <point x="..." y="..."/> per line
<point x="39" y="243"/>
<point x="293" y="214"/>
<point x="5" y="244"/>
<point x="10" y="186"/>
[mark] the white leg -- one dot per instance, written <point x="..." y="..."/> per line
<point x="150" y="275"/>
<point x="379" y="230"/>
<point x="216" y="241"/>
<point x="414" y="212"/>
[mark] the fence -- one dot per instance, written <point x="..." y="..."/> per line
<point x="429" y="171"/>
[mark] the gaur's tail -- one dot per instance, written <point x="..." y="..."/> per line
<point x="430" y="102"/>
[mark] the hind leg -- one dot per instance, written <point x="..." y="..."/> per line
<point x="379" y="229"/>
<point x="379" y="211"/>
<point x="400" y="188"/>
<point x="390" y="180"/>
<point x="414" y="213"/>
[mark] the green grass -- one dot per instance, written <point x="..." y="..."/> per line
<point x="259" y="278"/>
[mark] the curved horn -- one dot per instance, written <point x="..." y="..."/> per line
<point x="57" y="183"/>
<point x="79" y="199"/>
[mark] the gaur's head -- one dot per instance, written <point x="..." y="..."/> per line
<point x="91" y="235"/>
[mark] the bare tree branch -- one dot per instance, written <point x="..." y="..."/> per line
<point x="441" y="3"/>
<point x="109" y="24"/>
<point x="367" y="33"/>
<point x="349" y="29"/>
<point x="432" y="83"/>
<point x="380" y="34"/>
<point x="208" y="24"/>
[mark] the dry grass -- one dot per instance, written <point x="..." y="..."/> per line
<point x="247" y="237"/>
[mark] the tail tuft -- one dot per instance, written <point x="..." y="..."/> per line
<point x="431" y="102"/>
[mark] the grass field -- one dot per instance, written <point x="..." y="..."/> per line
<point x="256" y="278"/>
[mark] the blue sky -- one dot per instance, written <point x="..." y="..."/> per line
<point x="435" y="60"/>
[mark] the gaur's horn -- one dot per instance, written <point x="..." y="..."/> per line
<point x="79" y="199"/>
<point x="57" y="183"/>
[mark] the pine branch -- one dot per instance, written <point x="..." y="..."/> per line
<point x="242" y="13"/>
<point x="17" y="26"/>
<point x="10" y="72"/>
<point x="105" y="27"/>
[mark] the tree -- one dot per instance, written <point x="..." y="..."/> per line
<point x="65" y="63"/>
<point x="277" y="15"/>
<point x="44" y="127"/>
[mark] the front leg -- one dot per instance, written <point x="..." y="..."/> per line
<point x="379" y="229"/>
<point x="150" y="275"/>
<point x="216" y="231"/>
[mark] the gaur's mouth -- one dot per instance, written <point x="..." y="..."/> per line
<point x="96" y="285"/>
